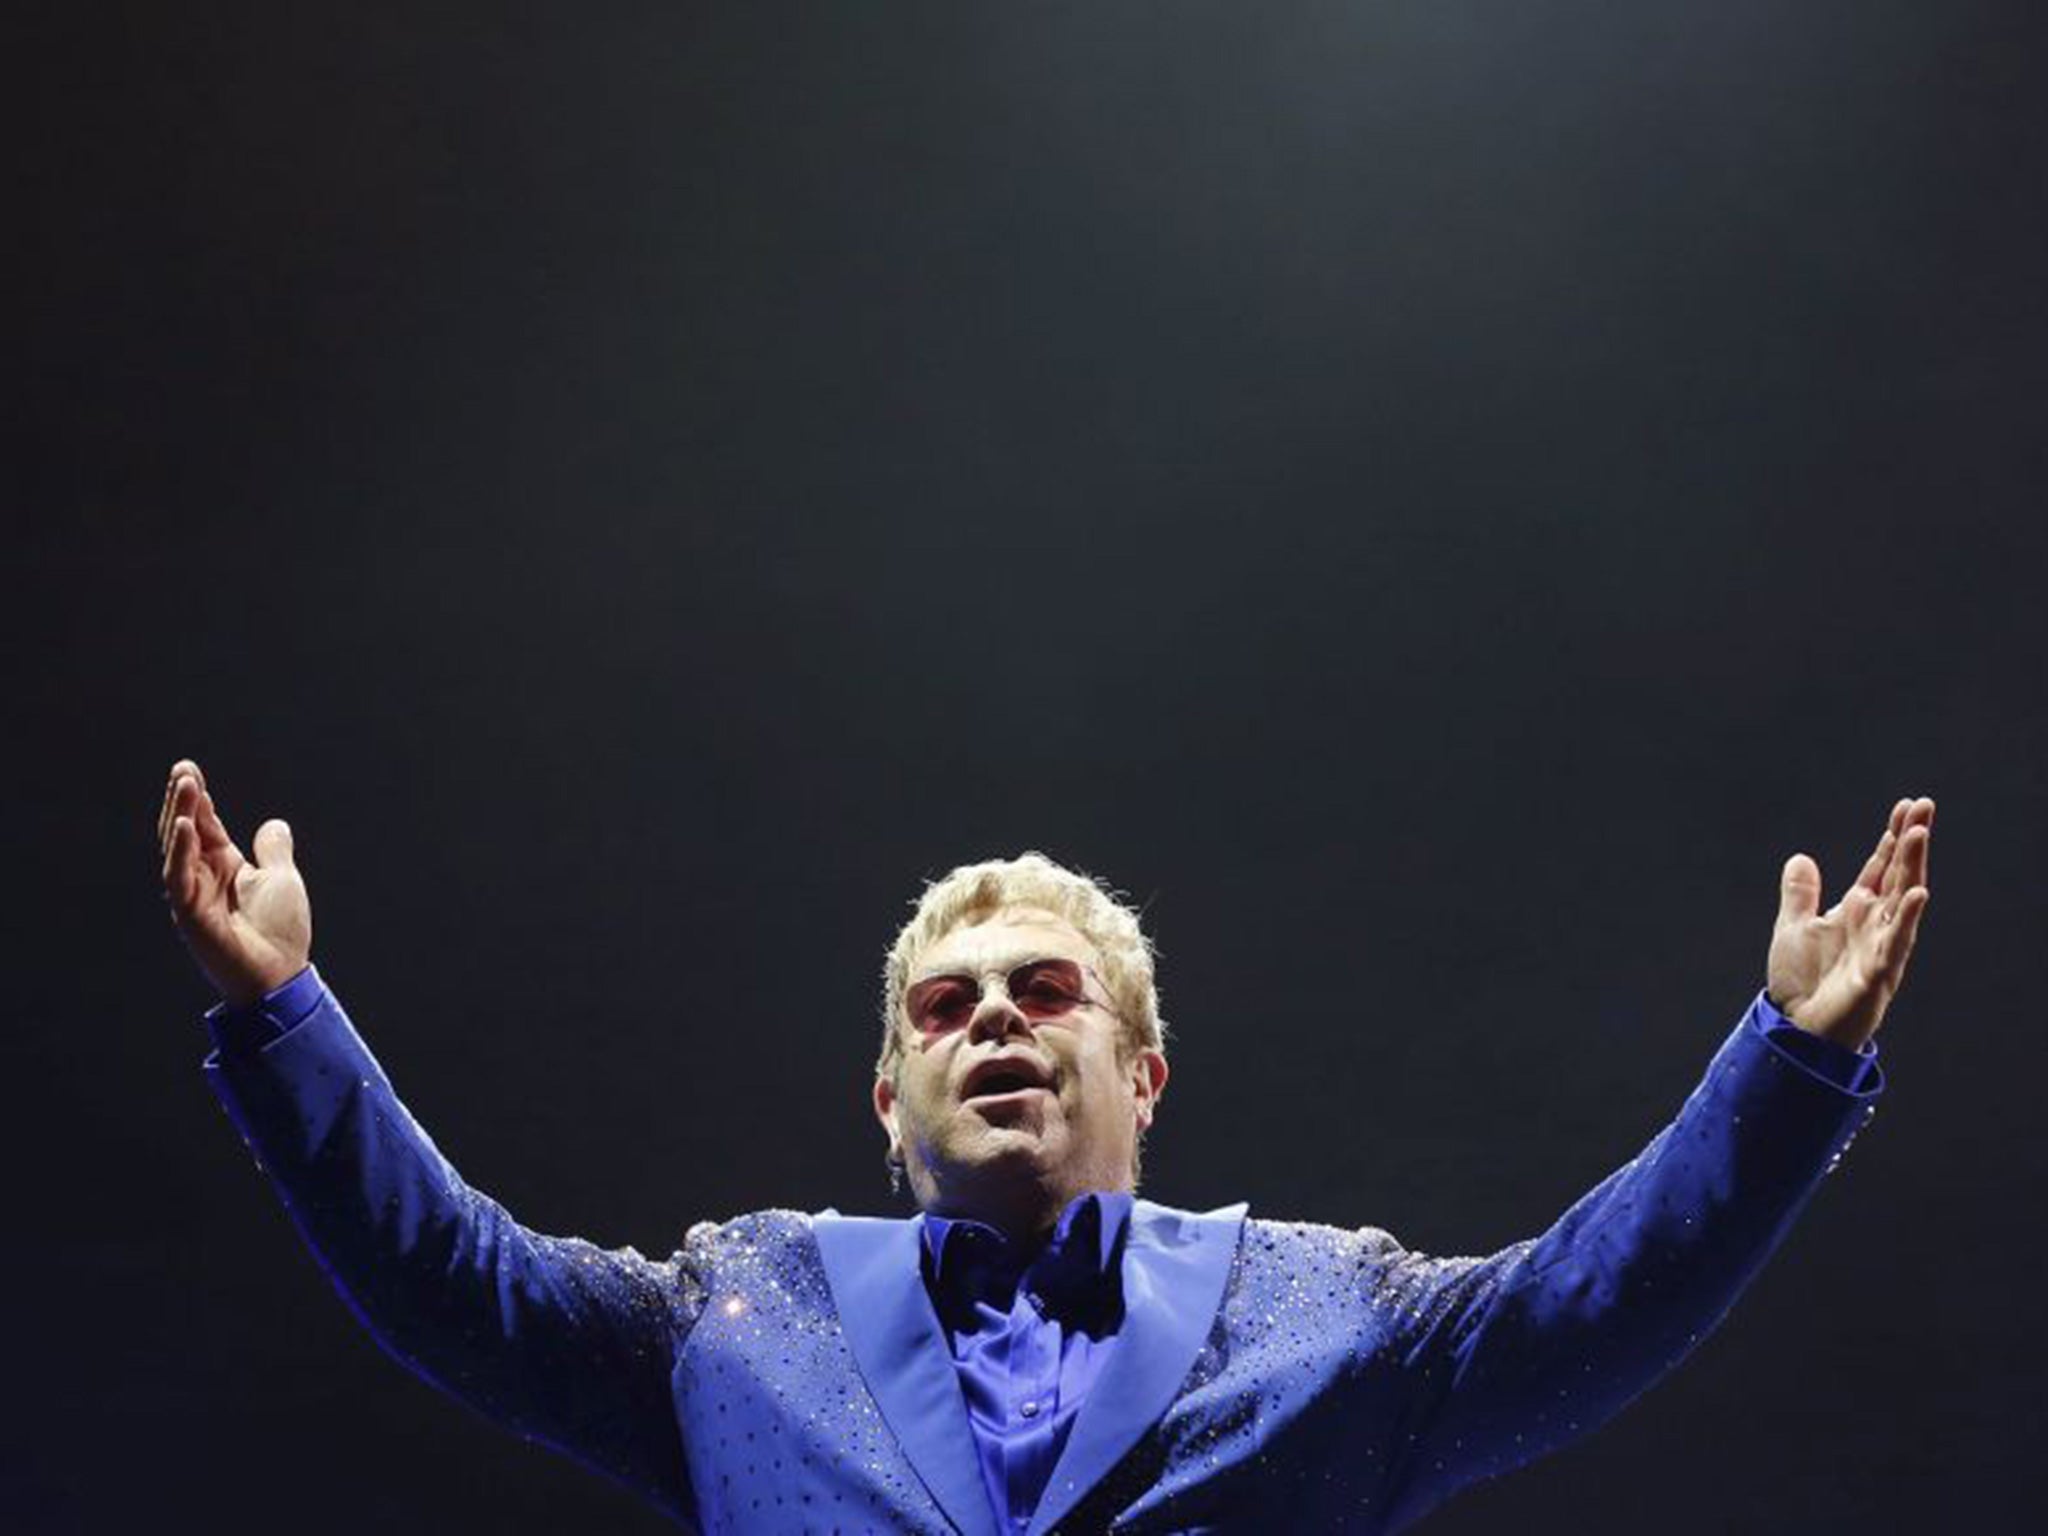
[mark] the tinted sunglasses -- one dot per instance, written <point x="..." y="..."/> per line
<point x="1040" y="989"/>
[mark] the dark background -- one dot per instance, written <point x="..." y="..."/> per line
<point x="1437" y="501"/>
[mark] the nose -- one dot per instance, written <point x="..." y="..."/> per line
<point x="995" y="1016"/>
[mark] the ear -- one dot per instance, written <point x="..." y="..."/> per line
<point x="1148" y="1082"/>
<point x="885" y="1109"/>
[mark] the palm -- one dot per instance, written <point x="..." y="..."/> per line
<point x="1834" y="973"/>
<point x="267" y="910"/>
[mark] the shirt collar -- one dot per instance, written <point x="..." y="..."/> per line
<point x="1078" y="1273"/>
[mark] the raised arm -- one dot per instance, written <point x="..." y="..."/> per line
<point x="1539" y="1344"/>
<point x="553" y="1337"/>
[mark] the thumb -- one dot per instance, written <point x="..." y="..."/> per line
<point x="274" y="845"/>
<point x="1798" y="892"/>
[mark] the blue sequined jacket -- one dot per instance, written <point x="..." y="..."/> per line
<point x="785" y="1371"/>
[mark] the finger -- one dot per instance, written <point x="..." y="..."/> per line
<point x="1910" y="866"/>
<point x="1798" y="890"/>
<point x="185" y="873"/>
<point x="274" y="845"/>
<point x="183" y="771"/>
<point x="1923" y="814"/>
<point x="1909" y="869"/>
<point x="1897" y="823"/>
<point x="1904" y="934"/>
<point x="1871" y="876"/>
<point x="163" y="812"/>
<point x="168" y="814"/>
<point x="1919" y="813"/>
<point x="1907" y="815"/>
<point x="171" y="866"/>
<point x="213" y="833"/>
<point x="1894" y="880"/>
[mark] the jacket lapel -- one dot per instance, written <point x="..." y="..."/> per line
<point x="1176" y="1264"/>
<point x="872" y="1265"/>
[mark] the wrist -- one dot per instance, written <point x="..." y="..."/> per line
<point x="253" y="989"/>
<point x="1845" y="1030"/>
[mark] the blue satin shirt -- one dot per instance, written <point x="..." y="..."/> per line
<point x="1029" y="1334"/>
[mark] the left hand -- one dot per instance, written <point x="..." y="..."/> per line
<point x="1834" y="973"/>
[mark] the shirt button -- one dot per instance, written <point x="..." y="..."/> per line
<point x="1029" y="1408"/>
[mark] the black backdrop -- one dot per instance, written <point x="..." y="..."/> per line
<point x="1435" y="500"/>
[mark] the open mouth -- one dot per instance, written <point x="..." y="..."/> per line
<point x="1003" y="1078"/>
<point x="998" y="1083"/>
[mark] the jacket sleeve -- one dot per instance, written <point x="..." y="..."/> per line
<point x="1520" y="1353"/>
<point x="561" y="1341"/>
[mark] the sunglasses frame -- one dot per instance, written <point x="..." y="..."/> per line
<point x="1007" y="975"/>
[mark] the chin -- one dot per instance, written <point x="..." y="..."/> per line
<point x="1004" y="1143"/>
<point x="1004" y="1149"/>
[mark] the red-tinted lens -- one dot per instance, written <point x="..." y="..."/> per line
<point x="943" y="1002"/>
<point x="1045" y="989"/>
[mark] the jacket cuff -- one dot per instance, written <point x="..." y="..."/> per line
<point x="1854" y="1072"/>
<point x="247" y="1030"/>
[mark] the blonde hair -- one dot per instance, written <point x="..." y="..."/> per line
<point x="976" y="891"/>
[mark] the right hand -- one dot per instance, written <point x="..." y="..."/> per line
<point x="249" y="925"/>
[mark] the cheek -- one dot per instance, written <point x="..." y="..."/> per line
<point x="1102" y="1090"/>
<point x="931" y="1092"/>
<point x="927" y="1095"/>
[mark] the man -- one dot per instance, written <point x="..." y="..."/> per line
<point x="1038" y="1349"/>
